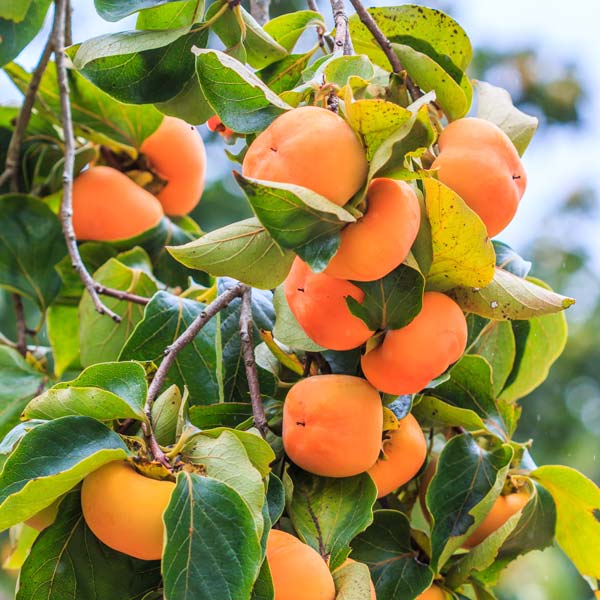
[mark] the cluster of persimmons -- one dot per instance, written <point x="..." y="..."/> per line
<point x="332" y="424"/>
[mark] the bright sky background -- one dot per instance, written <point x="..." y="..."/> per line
<point x="557" y="162"/>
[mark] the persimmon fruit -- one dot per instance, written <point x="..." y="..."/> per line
<point x="432" y="593"/>
<point x="216" y="125"/>
<point x="480" y="163"/>
<point x="311" y="147"/>
<point x="410" y="357"/>
<point x="297" y="570"/>
<point x="318" y="301"/>
<point x="502" y="510"/>
<point x="404" y="453"/>
<point x="109" y="206"/>
<point x="176" y="152"/>
<point x="379" y="241"/>
<point x="124" y="509"/>
<point x="332" y="425"/>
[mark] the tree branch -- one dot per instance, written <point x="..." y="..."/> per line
<point x="342" y="41"/>
<point x="66" y="208"/>
<point x="386" y="46"/>
<point x="260" y="10"/>
<point x="121" y="295"/>
<point x="13" y="154"/>
<point x="21" y="345"/>
<point x="247" y="339"/>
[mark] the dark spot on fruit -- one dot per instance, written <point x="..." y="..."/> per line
<point x="273" y="149"/>
<point x="301" y="423"/>
<point x="300" y="289"/>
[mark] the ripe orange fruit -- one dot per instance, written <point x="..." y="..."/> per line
<point x="311" y="147"/>
<point x="480" y="163"/>
<point x="432" y="593"/>
<point x="404" y="454"/>
<point x="298" y="571"/>
<point x="318" y="301"/>
<point x="378" y="242"/>
<point x="108" y="206"/>
<point x="176" y="152"/>
<point x="124" y="509"/>
<point x="332" y="425"/>
<point x="215" y="124"/>
<point x="409" y="358"/>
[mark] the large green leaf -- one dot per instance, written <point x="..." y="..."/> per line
<point x="50" y="460"/>
<point x="286" y="29"/>
<point x="539" y="342"/>
<point x="67" y="562"/>
<point x="225" y="458"/>
<point x="242" y="101"/>
<point x="101" y="340"/>
<point x="577" y="501"/>
<point x="470" y="387"/>
<point x="510" y="297"/>
<point x="140" y="67"/>
<point x="386" y="549"/>
<point x="297" y="218"/>
<point x="173" y="14"/>
<point x="115" y="10"/>
<point x="31" y="244"/>
<point x="96" y="115"/>
<point x="212" y="549"/>
<point x="284" y="74"/>
<point x="62" y="327"/>
<point x="190" y="104"/>
<point x="13" y="11"/>
<point x="18" y="383"/>
<point x="329" y="512"/>
<point x="462" y="252"/>
<point x="104" y="391"/>
<point x="244" y="250"/>
<point x="224" y="414"/>
<point x="467" y="481"/>
<point x="495" y="104"/>
<point x="391" y="302"/>
<point x="14" y="36"/>
<point x="166" y="317"/>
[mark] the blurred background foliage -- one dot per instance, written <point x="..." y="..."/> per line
<point x="562" y="415"/>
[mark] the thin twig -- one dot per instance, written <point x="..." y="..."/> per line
<point x="13" y="154"/>
<point x="385" y="45"/>
<point x="312" y="5"/>
<point x="66" y="209"/>
<point x="69" y="24"/>
<point x="259" y="9"/>
<point x="342" y="42"/>
<point x="121" y="295"/>
<point x="21" y="345"/>
<point x="247" y="339"/>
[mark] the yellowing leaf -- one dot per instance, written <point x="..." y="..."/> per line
<point x="463" y="255"/>
<point x="390" y="421"/>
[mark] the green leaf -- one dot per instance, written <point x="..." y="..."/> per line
<point x="287" y="329"/>
<point x="510" y="297"/>
<point x="539" y="342"/>
<point x="339" y="70"/>
<point x="225" y="458"/>
<point x="263" y="586"/>
<point x="297" y="218"/>
<point x="62" y="326"/>
<point x="50" y="460"/>
<point x="173" y="14"/>
<point x="31" y="243"/>
<point x="462" y="252"/>
<point x="140" y="67"/>
<point x="96" y="116"/>
<point x="166" y="317"/>
<point x="101" y="340"/>
<point x="284" y="74"/>
<point x="103" y="391"/>
<point x="286" y="29"/>
<point x="225" y="414"/>
<point x="415" y="26"/>
<point x="329" y="512"/>
<point x="259" y="452"/>
<point x="18" y="31"/>
<point x="352" y="582"/>
<point x="13" y="11"/>
<point x="577" y="501"/>
<point x="244" y="250"/>
<point x="242" y="101"/>
<point x="470" y="387"/>
<point x="275" y="498"/>
<point x="165" y="415"/>
<point x="496" y="343"/>
<point x="190" y="104"/>
<point x="67" y="562"/>
<point x="467" y="481"/>
<point x="508" y="259"/>
<point x="392" y="302"/>
<point x="434" y="411"/>
<point x="386" y="549"/>
<point x="18" y="383"/>
<point x="208" y="527"/>
<point x="495" y="104"/>
<point x="115" y="10"/>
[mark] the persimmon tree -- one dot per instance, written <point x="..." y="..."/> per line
<point x="316" y="402"/>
